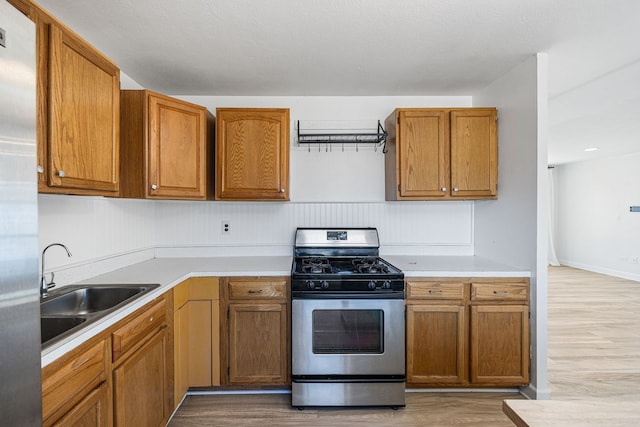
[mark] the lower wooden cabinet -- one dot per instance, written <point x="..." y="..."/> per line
<point x="140" y="385"/>
<point x="75" y="387"/>
<point x="467" y="332"/>
<point x="93" y="410"/>
<point x="196" y="335"/>
<point x="256" y="331"/>
<point x="436" y="344"/>
<point x="121" y="377"/>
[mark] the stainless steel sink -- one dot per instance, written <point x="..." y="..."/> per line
<point x="68" y="309"/>
<point x="52" y="327"/>
<point x="88" y="299"/>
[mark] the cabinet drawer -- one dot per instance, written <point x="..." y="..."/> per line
<point x="253" y="289"/>
<point x="435" y="290"/>
<point x="68" y="383"/>
<point x="130" y="334"/>
<point x="499" y="292"/>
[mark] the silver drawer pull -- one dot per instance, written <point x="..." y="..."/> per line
<point x="251" y="291"/>
<point x="435" y="292"/>
<point x="501" y="293"/>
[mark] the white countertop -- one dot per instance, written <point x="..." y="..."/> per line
<point x="168" y="272"/>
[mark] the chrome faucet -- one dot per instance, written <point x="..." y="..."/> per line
<point x="44" y="285"/>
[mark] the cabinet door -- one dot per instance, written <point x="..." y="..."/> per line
<point x="258" y="344"/>
<point x="423" y="153"/>
<point x="92" y="411"/>
<point x="474" y="153"/>
<point x="252" y="154"/>
<point x="83" y="116"/>
<point x="436" y="351"/>
<point x="177" y="155"/>
<point x="140" y="386"/>
<point x="500" y="344"/>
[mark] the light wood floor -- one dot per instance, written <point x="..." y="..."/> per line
<point x="594" y="352"/>
<point x="594" y="336"/>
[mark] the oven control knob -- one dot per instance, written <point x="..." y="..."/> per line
<point x="386" y="284"/>
<point x="310" y="284"/>
<point x="324" y="285"/>
<point x="372" y="285"/>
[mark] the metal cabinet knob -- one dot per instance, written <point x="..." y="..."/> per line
<point x="154" y="187"/>
<point x="61" y="174"/>
<point x="40" y="169"/>
<point x="282" y="190"/>
<point x="443" y="189"/>
<point x="455" y="189"/>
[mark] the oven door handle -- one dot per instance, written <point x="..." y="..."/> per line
<point x="346" y="295"/>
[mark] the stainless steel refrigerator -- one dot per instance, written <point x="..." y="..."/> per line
<point x="20" y="388"/>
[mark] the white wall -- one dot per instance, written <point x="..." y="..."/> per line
<point x="510" y="229"/>
<point x="102" y="234"/>
<point x="594" y="228"/>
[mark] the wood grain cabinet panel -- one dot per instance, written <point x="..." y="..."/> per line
<point x="252" y="154"/>
<point x="92" y="411"/>
<point x="196" y="335"/>
<point x="165" y="147"/>
<point x="78" y="109"/>
<point x="441" y="154"/>
<point x="500" y="344"/>
<point x="70" y="380"/>
<point x="255" y="322"/>
<point x="140" y="382"/>
<point x="436" y="344"/>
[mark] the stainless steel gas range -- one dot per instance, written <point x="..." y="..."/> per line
<point x="347" y="321"/>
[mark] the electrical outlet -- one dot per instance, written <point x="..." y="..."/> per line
<point x="634" y="260"/>
<point x="226" y="227"/>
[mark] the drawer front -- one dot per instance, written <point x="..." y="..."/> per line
<point x="499" y="292"/>
<point x="252" y="289"/>
<point x="130" y="334"/>
<point x="69" y="383"/>
<point x="435" y="290"/>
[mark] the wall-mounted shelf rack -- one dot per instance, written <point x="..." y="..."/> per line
<point x="342" y="137"/>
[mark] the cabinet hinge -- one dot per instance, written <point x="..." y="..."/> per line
<point x="398" y="188"/>
<point x="398" y="119"/>
<point x="228" y="371"/>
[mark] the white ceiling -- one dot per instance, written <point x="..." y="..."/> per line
<point x="383" y="47"/>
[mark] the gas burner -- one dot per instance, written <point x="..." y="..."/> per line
<point x="316" y="265"/>
<point x="369" y="265"/>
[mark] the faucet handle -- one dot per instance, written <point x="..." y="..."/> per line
<point x="51" y="284"/>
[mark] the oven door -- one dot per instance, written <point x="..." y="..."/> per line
<point x="347" y="337"/>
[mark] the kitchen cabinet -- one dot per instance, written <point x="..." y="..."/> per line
<point x="436" y="333"/>
<point x="441" y="154"/>
<point x="467" y="332"/>
<point x="196" y="335"/>
<point x="499" y="333"/>
<point x="75" y="388"/>
<point x="256" y="331"/>
<point x="252" y="154"/>
<point x="165" y="147"/>
<point x="141" y="368"/>
<point x="78" y="110"/>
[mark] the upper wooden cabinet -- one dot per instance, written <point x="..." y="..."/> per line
<point x="164" y="150"/>
<point x="440" y="154"/>
<point x="78" y="106"/>
<point x="252" y="154"/>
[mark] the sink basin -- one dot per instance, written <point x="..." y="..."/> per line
<point x="69" y="309"/>
<point x="79" y="300"/>
<point x="51" y="327"/>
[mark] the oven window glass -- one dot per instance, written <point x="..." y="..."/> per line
<point x="348" y="332"/>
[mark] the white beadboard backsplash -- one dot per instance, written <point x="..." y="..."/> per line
<point x="196" y="229"/>
<point x="104" y="233"/>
